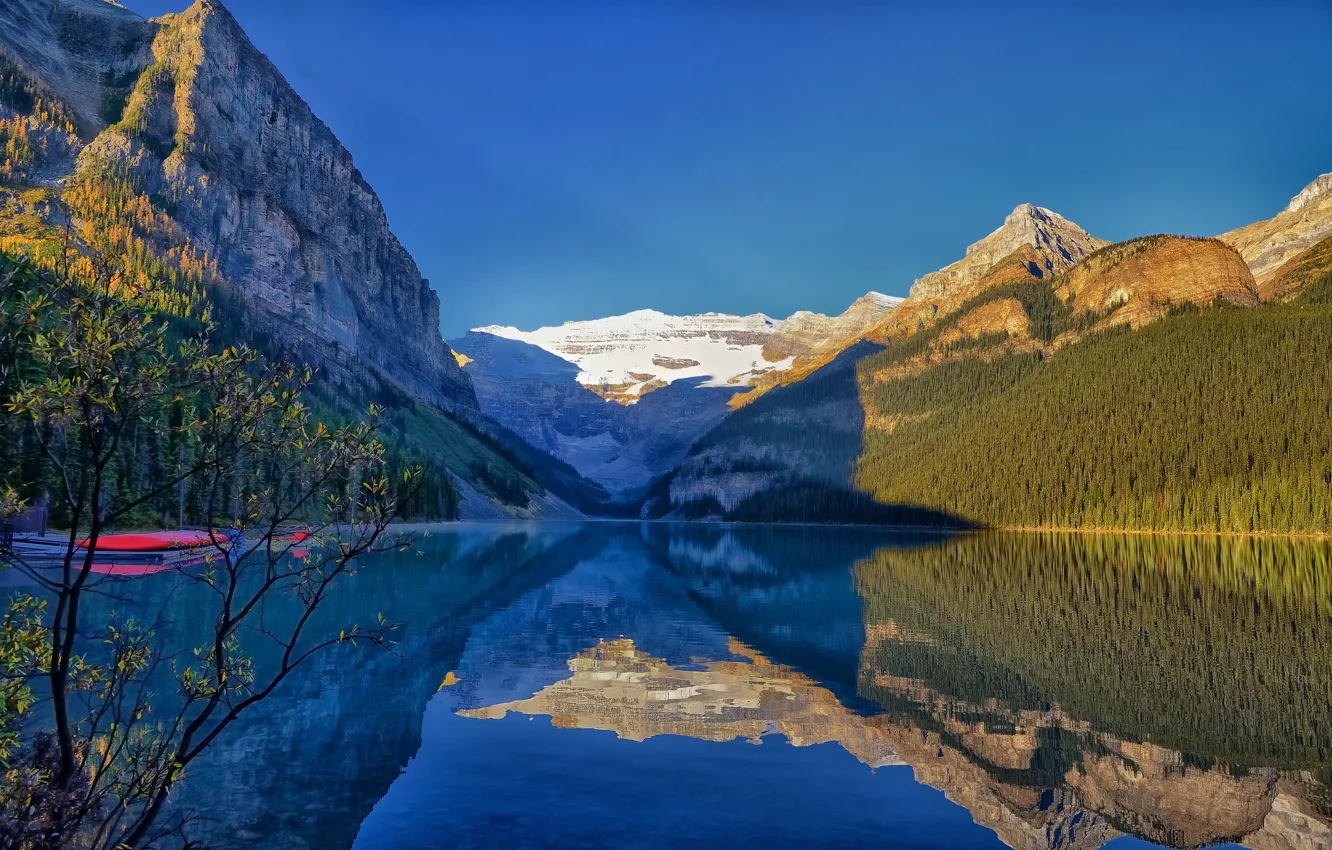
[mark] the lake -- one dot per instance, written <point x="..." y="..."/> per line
<point x="639" y="685"/>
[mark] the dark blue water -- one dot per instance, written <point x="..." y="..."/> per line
<point x="625" y="685"/>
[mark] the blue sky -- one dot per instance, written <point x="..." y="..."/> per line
<point x="554" y="161"/>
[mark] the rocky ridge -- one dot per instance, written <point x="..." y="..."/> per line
<point x="623" y="358"/>
<point x="1059" y="244"/>
<point x="1137" y="281"/>
<point x="1305" y="221"/>
<point x="815" y="340"/>
<point x="1032" y="243"/>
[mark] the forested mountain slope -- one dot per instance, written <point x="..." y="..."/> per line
<point x="1141" y="387"/>
<point x="789" y="456"/>
<point x="1207" y="420"/>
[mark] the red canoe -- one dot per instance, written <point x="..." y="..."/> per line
<point x="154" y="541"/>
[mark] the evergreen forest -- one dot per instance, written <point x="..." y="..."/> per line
<point x="1213" y="419"/>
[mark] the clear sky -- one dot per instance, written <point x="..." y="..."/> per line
<point x="555" y="161"/>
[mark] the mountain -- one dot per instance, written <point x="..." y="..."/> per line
<point x="621" y="399"/>
<point x="1060" y="244"/>
<point x="801" y="441"/>
<point x="203" y="126"/>
<point x="537" y="395"/>
<point x="1037" y="391"/>
<point x="176" y="150"/>
<point x="622" y="358"/>
<point x="1267" y="245"/>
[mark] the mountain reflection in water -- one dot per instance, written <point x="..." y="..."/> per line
<point x="1060" y="691"/>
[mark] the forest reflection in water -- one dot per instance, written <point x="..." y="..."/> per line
<point x="1059" y="690"/>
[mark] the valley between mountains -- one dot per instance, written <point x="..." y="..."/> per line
<point x="1047" y="379"/>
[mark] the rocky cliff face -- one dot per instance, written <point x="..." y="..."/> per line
<point x="1306" y="220"/>
<point x="188" y="113"/>
<point x="83" y="53"/>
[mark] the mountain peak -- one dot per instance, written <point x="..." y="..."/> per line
<point x="879" y="298"/>
<point x="1320" y="187"/>
<point x="1060" y="243"/>
<point x="1033" y="211"/>
<point x="203" y="9"/>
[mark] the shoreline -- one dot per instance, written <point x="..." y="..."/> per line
<point x="914" y="529"/>
<point x="1028" y="529"/>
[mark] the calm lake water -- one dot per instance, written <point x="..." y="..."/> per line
<point x="625" y="685"/>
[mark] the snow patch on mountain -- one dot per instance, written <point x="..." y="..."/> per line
<point x="885" y="300"/>
<point x="627" y="352"/>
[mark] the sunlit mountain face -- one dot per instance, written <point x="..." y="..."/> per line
<point x="605" y="684"/>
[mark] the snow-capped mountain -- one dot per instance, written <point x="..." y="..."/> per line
<point x="622" y="358"/>
<point x="674" y="376"/>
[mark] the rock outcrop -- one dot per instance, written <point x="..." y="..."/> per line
<point x="814" y="340"/>
<point x="1137" y="281"/>
<point x="806" y="333"/>
<point x="1128" y="283"/>
<point x="1306" y="220"/>
<point x="1287" y="281"/>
